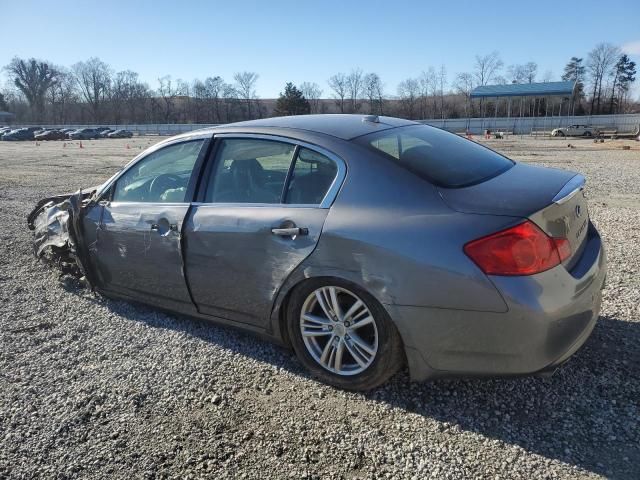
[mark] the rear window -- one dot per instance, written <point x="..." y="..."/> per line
<point x="442" y="158"/>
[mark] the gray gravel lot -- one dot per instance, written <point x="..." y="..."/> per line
<point x="93" y="388"/>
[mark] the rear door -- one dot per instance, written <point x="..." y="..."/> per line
<point x="262" y="207"/>
<point x="137" y="250"/>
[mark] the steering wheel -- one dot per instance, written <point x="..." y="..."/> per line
<point x="162" y="183"/>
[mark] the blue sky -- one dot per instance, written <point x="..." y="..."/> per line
<point x="309" y="41"/>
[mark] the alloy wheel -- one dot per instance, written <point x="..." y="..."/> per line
<point x="339" y="331"/>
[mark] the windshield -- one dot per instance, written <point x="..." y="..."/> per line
<point x="440" y="157"/>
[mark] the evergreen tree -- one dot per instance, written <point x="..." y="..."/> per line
<point x="623" y="77"/>
<point x="574" y="71"/>
<point x="292" y="102"/>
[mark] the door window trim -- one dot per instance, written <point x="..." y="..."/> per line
<point x="327" y="201"/>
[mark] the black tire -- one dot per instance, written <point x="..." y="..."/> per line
<point x="389" y="356"/>
<point x="587" y="134"/>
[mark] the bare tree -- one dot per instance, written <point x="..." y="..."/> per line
<point x="486" y="71"/>
<point x="530" y="70"/>
<point x="3" y="102"/>
<point x="168" y="91"/>
<point x="213" y="90"/>
<point x="245" y="86"/>
<point x="199" y="92"/>
<point x="140" y="98"/>
<point x="525" y="73"/>
<point x="427" y="84"/>
<point x="374" y="92"/>
<point x="62" y="95"/>
<point x="487" y="68"/>
<point x="312" y="93"/>
<point x="33" y="78"/>
<point x="185" y="105"/>
<point x="600" y="63"/>
<point x="409" y="91"/>
<point x="354" y="85"/>
<point x="126" y="91"/>
<point x="231" y="100"/>
<point x="340" y="86"/>
<point x="94" y="80"/>
<point x="442" y="82"/>
<point x="464" y="86"/>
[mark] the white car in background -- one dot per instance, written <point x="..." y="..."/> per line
<point x="573" y="131"/>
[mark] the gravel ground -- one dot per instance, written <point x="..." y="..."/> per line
<point x="93" y="388"/>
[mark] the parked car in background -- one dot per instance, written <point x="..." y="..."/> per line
<point x="4" y="130"/>
<point x="19" y="134"/>
<point x="120" y="134"/>
<point x="105" y="132"/>
<point x="573" y="131"/>
<point x="363" y="242"/>
<point x="67" y="131"/>
<point x="84" y="134"/>
<point x="50" y="135"/>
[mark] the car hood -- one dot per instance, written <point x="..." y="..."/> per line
<point x="520" y="191"/>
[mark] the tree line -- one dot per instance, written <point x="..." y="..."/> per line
<point x="92" y="91"/>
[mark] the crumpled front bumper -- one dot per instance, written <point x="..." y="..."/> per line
<point x="57" y="232"/>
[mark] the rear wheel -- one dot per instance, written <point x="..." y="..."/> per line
<point x="587" y="134"/>
<point x="343" y="335"/>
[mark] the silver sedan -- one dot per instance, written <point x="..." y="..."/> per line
<point x="365" y="243"/>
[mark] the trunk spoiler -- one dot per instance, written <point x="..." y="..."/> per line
<point x="573" y="186"/>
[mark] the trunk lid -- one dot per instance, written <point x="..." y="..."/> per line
<point x="553" y="199"/>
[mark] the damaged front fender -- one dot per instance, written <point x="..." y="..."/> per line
<point x="58" y="238"/>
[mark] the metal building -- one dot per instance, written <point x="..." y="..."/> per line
<point x="559" y="98"/>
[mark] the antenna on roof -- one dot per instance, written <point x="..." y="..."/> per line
<point x="371" y="118"/>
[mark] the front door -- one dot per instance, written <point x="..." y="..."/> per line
<point x="262" y="214"/>
<point x="138" y="249"/>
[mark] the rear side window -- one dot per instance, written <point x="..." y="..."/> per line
<point x="249" y="170"/>
<point x="312" y="175"/>
<point x="442" y="158"/>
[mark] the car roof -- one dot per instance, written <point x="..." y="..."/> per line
<point x="342" y="126"/>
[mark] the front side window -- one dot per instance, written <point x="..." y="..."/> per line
<point x="161" y="177"/>
<point x="442" y="158"/>
<point x="249" y="170"/>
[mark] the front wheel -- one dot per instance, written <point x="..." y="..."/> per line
<point x="343" y="335"/>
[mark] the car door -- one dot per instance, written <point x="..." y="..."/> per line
<point x="261" y="213"/>
<point x="138" y="251"/>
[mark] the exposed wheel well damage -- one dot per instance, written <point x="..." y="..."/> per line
<point x="56" y="223"/>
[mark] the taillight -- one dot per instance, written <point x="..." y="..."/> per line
<point x="520" y="250"/>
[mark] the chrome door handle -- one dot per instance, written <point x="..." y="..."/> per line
<point x="155" y="227"/>
<point x="290" y="232"/>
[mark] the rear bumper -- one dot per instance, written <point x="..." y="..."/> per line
<point x="550" y="316"/>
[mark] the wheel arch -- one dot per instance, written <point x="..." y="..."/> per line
<point x="306" y="273"/>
